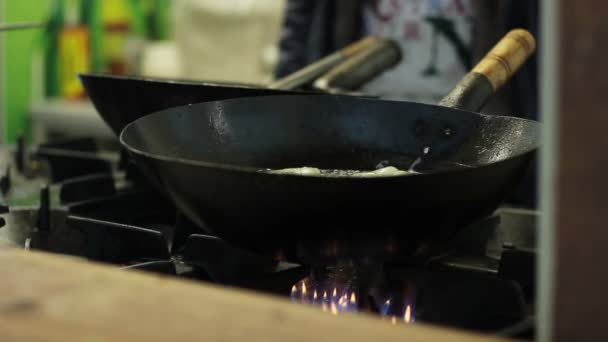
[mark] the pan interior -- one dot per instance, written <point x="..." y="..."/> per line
<point x="328" y="132"/>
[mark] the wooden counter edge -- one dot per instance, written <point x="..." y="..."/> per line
<point x="47" y="297"/>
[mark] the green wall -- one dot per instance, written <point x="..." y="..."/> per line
<point x="18" y="49"/>
<point x="20" y="84"/>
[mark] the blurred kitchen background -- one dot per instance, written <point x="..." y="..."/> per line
<point x="40" y="96"/>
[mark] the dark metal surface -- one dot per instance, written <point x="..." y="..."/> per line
<point x="208" y="156"/>
<point x="74" y="158"/>
<point x="225" y="263"/>
<point x="119" y="243"/>
<point x="80" y="188"/>
<point x="471" y="93"/>
<point x="135" y="230"/>
<point x="122" y="99"/>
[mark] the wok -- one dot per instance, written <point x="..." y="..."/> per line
<point x="211" y="160"/>
<point x="123" y="99"/>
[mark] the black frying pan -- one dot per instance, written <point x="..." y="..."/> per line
<point x="123" y="99"/>
<point x="208" y="158"/>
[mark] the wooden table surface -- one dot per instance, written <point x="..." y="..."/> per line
<point x="46" y="297"/>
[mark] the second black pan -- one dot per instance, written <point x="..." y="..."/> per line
<point x="210" y="158"/>
<point x="121" y="100"/>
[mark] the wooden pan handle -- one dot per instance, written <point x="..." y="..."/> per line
<point x="492" y="72"/>
<point x="503" y="61"/>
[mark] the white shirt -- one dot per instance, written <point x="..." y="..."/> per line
<point x="428" y="32"/>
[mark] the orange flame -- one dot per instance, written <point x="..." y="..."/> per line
<point x="334" y="309"/>
<point x="408" y="314"/>
<point x="324" y="294"/>
<point x="314" y="295"/>
<point x="304" y="289"/>
<point x="353" y="298"/>
<point x="335" y="292"/>
<point x="294" y="289"/>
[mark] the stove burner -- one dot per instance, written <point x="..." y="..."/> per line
<point x="5" y="181"/>
<point x="94" y="204"/>
<point x="84" y="188"/>
<point x="75" y="158"/>
<point x="21" y="154"/>
<point x="405" y="295"/>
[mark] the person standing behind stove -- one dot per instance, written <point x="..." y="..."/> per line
<point x="436" y="37"/>
<point x="441" y="40"/>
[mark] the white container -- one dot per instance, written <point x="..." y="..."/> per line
<point x="228" y="40"/>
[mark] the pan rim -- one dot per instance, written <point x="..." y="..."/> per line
<point x="163" y="80"/>
<point x="154" y="79"/>
<point x="249" y="169"/>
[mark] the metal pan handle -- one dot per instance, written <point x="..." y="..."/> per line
<point x="311" y="72"/>
<point x="359" y="69"/>
<point x="492" y="72"/>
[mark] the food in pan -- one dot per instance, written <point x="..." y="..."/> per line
<point x="299" y="171"/>
<point x="313" y="171"/>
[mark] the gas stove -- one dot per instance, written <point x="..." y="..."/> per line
<point x="85" y="199"/>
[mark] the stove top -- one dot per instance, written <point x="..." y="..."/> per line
<point x="81" y="198"/>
